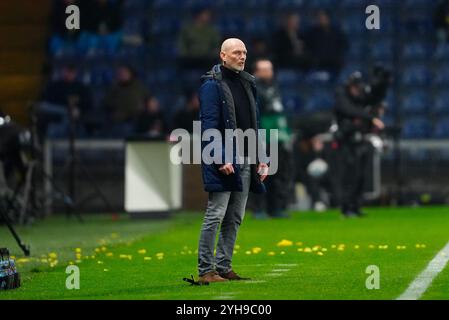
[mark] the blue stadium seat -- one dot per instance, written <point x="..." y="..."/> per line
<point x="442" y="51"/>
<point x="356" y="50"/>
<point x="165" y="25"/>
<point x="139" y="5"/>
<point x="415" y="51"/>
<point x="417" y="4"/>
<point x="319" y="100"/>
<point x="290" y="4"/>
<point x="441" y="76"/>
<point x="354" y="25"/>
<point x="351" y="4"/>
<point x="441" y="105"/>
<point x="416" y="128"/>
<point x="259" y="25"/>
<point x="416" y="75"/>
<point x="321" y="4"/>
<point x="231" y="25"/>
<point x="168" y="4"/>
<point x="415" y="103"/>
<point x="441" y="130"/>
<point x="288" y="78"/>
<point x="318" y="78"/>
<point x="381" y="50"/>
<point x="292" y="102"/>
<point x="134" y="25"/>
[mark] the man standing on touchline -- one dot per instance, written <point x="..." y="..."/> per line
<point x="227" y="101"/>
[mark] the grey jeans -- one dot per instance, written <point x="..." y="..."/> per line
<point x="227" y="209"/>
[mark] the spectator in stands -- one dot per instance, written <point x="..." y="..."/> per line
<point x="184" y="118"/>
<point x="259" y="50"/>
<point x="326" y="44"/>
<point x="61" y="36"/>
<point x="198" y="41"/>
<point x="288" y="44"/>
<point x="151" y="121"/>
<point x="125" y="100"/>
<point x="101" y="21"/>
<point x="442" y="19"/>
<point x="61" y="94"/>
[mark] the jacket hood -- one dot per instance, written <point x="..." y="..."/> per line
<point x="215" y="73"/>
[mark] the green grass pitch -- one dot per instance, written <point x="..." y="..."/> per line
<point x="309" y="256"/>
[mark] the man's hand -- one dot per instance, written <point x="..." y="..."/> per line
<point x="378" y="123"/>
<point x="227" y="169"/>
<point x="262" y="170"/>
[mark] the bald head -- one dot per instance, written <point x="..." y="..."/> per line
<point x="233" y="54"/>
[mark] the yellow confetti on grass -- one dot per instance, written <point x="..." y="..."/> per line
<point x="299" y="243"/>
<point x="248" y="252"/>
<point x="271" y="253"/>
<point x="147" y="258"/>
<point x="284" y="243"/>
<point x="105" y="270"/>
<point x="307" y="249"/>
<point x="256" y="250"/>
<point x="109" y="254"/>
<point x="53" y="255"/>
<point x="142" y="251"/>
<point x="78" y="250"/>
<point x="160" y="255"/>
<point x="320" y="253"/>
<point x="100" y="262"/>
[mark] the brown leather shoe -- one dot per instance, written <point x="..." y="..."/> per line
<point x="231" y="275"/>
<point x="211" y="276"/>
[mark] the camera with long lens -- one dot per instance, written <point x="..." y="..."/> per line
<point x="14" y="143"/>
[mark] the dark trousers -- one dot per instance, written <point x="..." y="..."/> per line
<point x="279" y="186"/>
<point x="354" y="159"/>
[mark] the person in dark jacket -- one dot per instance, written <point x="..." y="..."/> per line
<point x="227" y="101"/>
<point x="326" y="44"/>
<point x="151" y="122"/>
<point x="273" y="117"/>
<point x="353" y="120"/>
<point x="289" y="44"/>
<point x="184" y="118"/>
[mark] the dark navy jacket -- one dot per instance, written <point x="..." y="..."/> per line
<point x="217" y="111"/>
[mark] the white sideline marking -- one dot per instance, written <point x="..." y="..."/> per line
<point x="425" y="278"/>
<point x="286" y="264"/>
<point x="274" y="274"/>
<point x="254" y="281"/>
<point x="280" y="270"/>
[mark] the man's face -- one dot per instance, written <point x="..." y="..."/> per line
<point x="234" y="57"/>
<point x="323" y="20"/>
<point x="69" y="75"/>
<point x="123" y="75"/>
<point x="264" y="70"/>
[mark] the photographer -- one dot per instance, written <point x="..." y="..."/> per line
<point x="358" y="108"/>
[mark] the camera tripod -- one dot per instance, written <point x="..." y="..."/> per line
<point x="4" y="216"/>
<point x="73" y="162"/>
